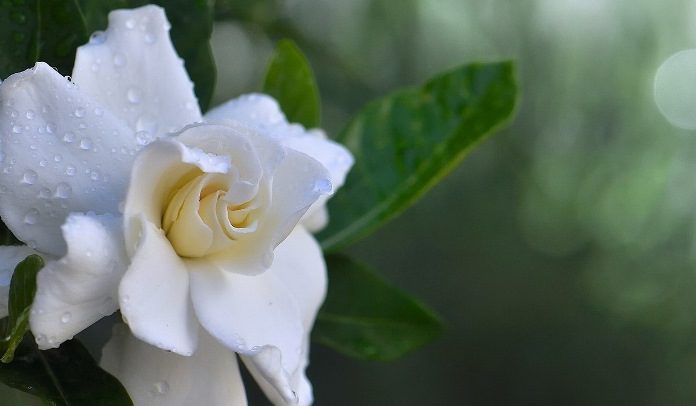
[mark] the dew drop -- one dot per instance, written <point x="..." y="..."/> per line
<point x="65" y="318"/>
<point x="130" y="23"/>
<point x="94" y="175"/>
<point x="31" y="216"/>
<point x="69" y="137"/>
<point x="58" y="157"/>
<point x="322" y="186"/>
<point x="79" y="112"/>
<point x="134" y="95"/>
<point x="50" y="128"/>
<point x="70" y="170"/>
<point x="143" y="137"/>
<point x="43" y="163"/>
<point x="29" y="177"/>
<point x="98" y="37"/>
<point x="30" y="114"/>
<point x="98" y="112"/>
<point x="17" y="129"/>
<point x="86" y="143"/>
<point x="63" y="191"/>
<point x="40" y="339"/>
<point x="160" y="388"/>
<point x="119" y="60"/>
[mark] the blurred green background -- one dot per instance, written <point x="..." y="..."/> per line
<point x="562" y="253"/>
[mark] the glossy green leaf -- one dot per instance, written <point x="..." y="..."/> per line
<point x="34" y="30"/>
<point x="406" y="142"/>
<point x="22" y="290"/>
<point x="290" y="80"/>
<point x="66" y="376"/>
<point x="51" y="31"/>
<point x="364" y="317"/>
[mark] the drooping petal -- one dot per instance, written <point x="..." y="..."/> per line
<point x="154" y="377"/>
<point x="299" y="264"/>
<point x="133" y="69"/>
<point x="261" y="113"/>
<point x="60" y="152"/>
<point x="154" y="294"/>
<point x="266" y="317"/>
<point x="80" y="288"/>
<point x="10" y="256"/>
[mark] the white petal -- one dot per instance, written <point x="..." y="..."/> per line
<point x="10" y="256"/>
<point x="261" y="113"/>
<point x="80" y="288"/>
<point x="133" y="69"/>
<point x="266" y="317"/>
<point x="60" y="152"/>
<point x="154" y="294"/>
<point x="165" y="164"/>
<point x="154" y="377"/>
<point x="299" y="264"/>
<point x="298" y="182"/>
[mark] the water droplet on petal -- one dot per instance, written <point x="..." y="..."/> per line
<point x="97" y="37"/>
<point x="98" y="112"/>
<point x="32" y="216"/>
<point x="160" y="388"/>
<point x="79" y="112"/>
<point x="30" y="114"/>
<point x="70" y="170"/>
<point x="65" y="318"/>
<point x="150" y="38"/>
<point x="50" y="128"/>
<point x="134" y="95"/>
<point x="119" y="60"/>
<point x="69" y="137"/>
<point x="29" y="177"/>
<point x="143" y="137"/>
<point x="63" y="191"/>
<point x="130" y="23"/>
<point x="322" y="186"/>
<point x="58" y="157"/>
<point x="17" y="129"/>
<point x="86" y="143"/>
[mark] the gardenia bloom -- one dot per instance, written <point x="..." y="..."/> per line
<point x="196" y="227"/>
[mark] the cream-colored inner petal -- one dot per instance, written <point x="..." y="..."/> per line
<point x="198" y="219"/>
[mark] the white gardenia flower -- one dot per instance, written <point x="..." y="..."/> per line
<point x="196" y="227"/>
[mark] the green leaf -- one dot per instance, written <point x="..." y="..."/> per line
<point x="290" y="80"/>
<point x="51" y="31"/>
<point x="33" y="30"/>
<point x="6" y="236"/>
<point x="364" y="317"/>
<point x="66" y="376"/>
<point x="407" y="142"/>
<point x="22" y="290"/>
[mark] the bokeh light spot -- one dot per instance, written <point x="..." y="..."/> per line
<point x="675" y="89"/>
